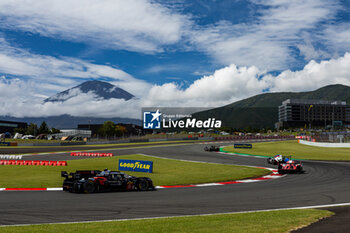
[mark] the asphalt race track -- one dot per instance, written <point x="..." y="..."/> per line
<point x="39" y="149"/>
<point x="323" y="183"/>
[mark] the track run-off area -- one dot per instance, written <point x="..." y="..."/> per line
<point x="323" y="183"/>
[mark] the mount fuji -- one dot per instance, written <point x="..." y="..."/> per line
<point x="102" y="90"/>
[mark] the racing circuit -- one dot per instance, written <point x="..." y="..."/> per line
<point x="323" y="183"/>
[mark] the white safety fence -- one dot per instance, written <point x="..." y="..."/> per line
<point x="325" y="144"/>
<point x="11" y="157"/>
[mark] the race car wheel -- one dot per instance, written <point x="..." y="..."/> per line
<point x="75" y="188"/>
<point x="143" y="185"/>
<point x="89" y="187"/>
<point x="98" y="188"/>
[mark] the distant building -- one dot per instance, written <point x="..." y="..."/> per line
<point x="94" y="128"/>
<point x="73" y="133"/>
<point x="9" y="126"/>
<point x="313" y="113"/>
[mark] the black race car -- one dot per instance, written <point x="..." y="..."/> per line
<point x="90" y="181"/>
<point x="291" y="166"/>
<point x="212" y="148"/>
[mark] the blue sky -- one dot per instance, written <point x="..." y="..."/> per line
<point x="168" y="52"/>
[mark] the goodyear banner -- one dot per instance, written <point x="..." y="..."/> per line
<point x="135" y="165"/>
<point x="243" y="146"/>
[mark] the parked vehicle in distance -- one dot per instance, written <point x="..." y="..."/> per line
<point x="28" y="137"/>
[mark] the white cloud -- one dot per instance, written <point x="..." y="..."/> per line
<point x="248" y="50"/>
<point x="309" y="52"/>
<point x="40" y="76"/>
<point x="161" y="68"/>
<point x="267" y="41"/>
<point x="223" y="87"/>
<point x="50" y="75"/>
<point x="315" y="75"/>
<point x="137" y="25"/>
<point x="84" y="104"/>
<point x="337" y="37"/>
<point x="231" y="84"/>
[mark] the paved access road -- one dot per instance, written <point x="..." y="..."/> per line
<point x="323" y="183"/>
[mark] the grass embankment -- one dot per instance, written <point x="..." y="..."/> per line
<point x="165" y="172"/>
<point x="272" y="221"/>
<point x="295" y="149"/>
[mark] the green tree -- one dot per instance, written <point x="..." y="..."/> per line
<point x="43" y="129"/>
<point x="32" y="129"/>
<point x="120" y="130"/>
<point x="108" y="129"/>
<point x="54" y="130"/>
<point x="19" y="130"/>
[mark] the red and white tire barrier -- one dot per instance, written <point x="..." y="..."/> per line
<point x="33" y="162"/>
<point x="89" y="154"/>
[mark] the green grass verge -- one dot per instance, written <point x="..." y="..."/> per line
<point x="297" y="150"/>
<point x="272" y="221"/>
<point x="102" y="149"/>
<point x="165" y="172"/>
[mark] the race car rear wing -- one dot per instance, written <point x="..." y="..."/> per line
<point x="64" y="174"/>
<point x="80" y="174"/>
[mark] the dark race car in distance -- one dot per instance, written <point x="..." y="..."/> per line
<point x="90" y="181"/>
<point x="291" y="166"/>
<point x="212" y="148"/>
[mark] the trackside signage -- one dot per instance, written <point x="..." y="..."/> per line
<point x="243" y="146"/>
<point x="135" y="165"/>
